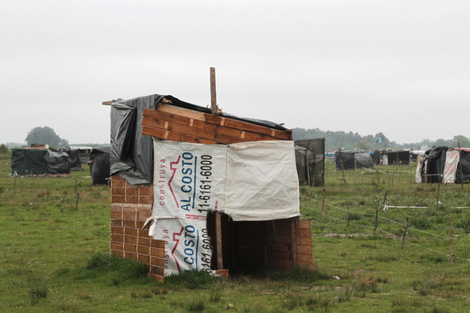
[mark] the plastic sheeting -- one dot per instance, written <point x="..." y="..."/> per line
<point x="57" y="162"/>
<point x="251" y="181"/>
<point x="450" y="167"/>
<point x="310" y="161"/>
<point x="100" y="165"/>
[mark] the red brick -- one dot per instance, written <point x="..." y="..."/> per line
<point x="144" y="242"/>
<point x="143" y="258"/>
<point x="117" y="246"/>
<point x="132" y="199"/>
<point x="156" y="270"/>
<point x="130" y="255"/>
<point x="129" y="247"/>
<point x="157" y="244"/>
<point x="139" y="224"/>
<point x="159" y="253"/>
<point x="117" y="238"/>
<point x="143" y="250"/>
<point x="130" y="231"/>
<point x="118" y="199"/>
<point x="116" y="215"/>
<point x="129" y="215"/>
<point x="116" y="223"/>
<point x="157" y="261"/>
<point x="143" y="232"/>
<point x="118" y="191"/>
<point x="130" y="239"/>
<point x="143" y="216"/>
<point x="127" y="223"/>
<point x="146" y="200"/>
<point x="117" y="230"/>
<point x="118" y="252"/>
<point x="146" y="191"/>
<point x="132" y="191"/>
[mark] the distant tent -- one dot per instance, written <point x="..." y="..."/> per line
<point x="38" y="162"/>
<point x="444" y="165"/>
<point x="28" y="162"/>
<point x="73" y="158"/>
<point x="363" y="160"/>
<point x="56" y="162"/>
<point x="345" y="160"/>
<point x="100" y="165"/>
<point x="385" y="157"/>
<point x="310" y="161"/>
<point x="350" y="160"/>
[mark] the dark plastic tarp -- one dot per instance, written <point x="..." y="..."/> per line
<point x="345" y="160"/>
<point x="28" y="162"/>
<point x="310" y="161"/>
<point x="100" y="165"/>
<point x="436" y="160"/>
<point x="131" y="152"/>
<point x="363" y="160"/>
<point x="57" y="162"/>
<point x="465" y="163"/>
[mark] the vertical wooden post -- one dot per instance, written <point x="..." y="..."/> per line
<point x="404" y="233"/>
<point x="376" y="216"/>
<point x="218" y="227"/>
<point x="438" y="191"/>
<point x="323" y="204"/>
<point x="460" y="162"/>
<point x="451" y="239"/>
<point x="295" y="260"/>
<point x="348" y="216"/>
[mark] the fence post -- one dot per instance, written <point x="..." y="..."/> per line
<point x="404" y="233"/>
<point x="438" y="191"/>
<point x="376" y="215"/>
<point x="323" y="204"/>
<point x="451" y="240"/>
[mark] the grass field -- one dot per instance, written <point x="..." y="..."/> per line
<point x="55" y="257"/>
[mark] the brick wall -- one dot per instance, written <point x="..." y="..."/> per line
<point x="131" y="205"/>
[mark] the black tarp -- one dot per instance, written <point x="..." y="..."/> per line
<point x="345" y="160"/>
<point x="398" y="157"/>
<point x="131" y="153"/>
<point x="436" y="160"/>
<point x="463" y="168"/>
<point x="363" y="160"/>
<point x="56" y="162"/>
<point x="100" y="165"/>
<point x="74" y="159"/>
<point x="310" y="161"/>
<point x="28" y="162"/>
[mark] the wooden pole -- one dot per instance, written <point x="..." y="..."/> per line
<point x="218" y="223"/>
<point x="438" y="191"/>
<point x="377" y="216"/>
<point x="404" y="233"/>
<point x="451" y="239"/>
<point x="77" y="194"/>
<point x="323" y="204"/>
<point x="460" y="162"/>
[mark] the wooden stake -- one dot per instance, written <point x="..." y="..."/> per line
<point x="376" y="216"/>
<point x="451" y="239"/>
<point x="218" y="226"/>
<point x="323" y="204"/>
<point x="438" y="191"/>
<point x="404" y="233"/>
<point x="77" y="194"/>
<point x="460" y="162"/>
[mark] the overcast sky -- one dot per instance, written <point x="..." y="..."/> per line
<point x="366" y="66"/>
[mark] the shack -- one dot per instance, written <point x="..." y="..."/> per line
<point x="310" y="161"/>
<point x="35" y="161"/>
<point x="352" y="160"/>
<point x="192" y="190"/>
<point x="444" y="165"/>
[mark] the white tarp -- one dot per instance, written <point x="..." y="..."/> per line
<point x="251" y="181"/>
<point x="450" y="167"/>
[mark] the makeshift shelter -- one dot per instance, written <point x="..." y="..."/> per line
<point x="73" y="158"/>
<point x="100" y="165"/>
<point x="386" y="157"/>
<point x="39" y="162"/>
<point x="444" y="165"/>
<point x="351" y="160"/>
<point x="310" y="161"/>
<point x="226" y="185"/>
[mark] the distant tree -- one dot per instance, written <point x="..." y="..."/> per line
<point x="464" y="141"/>
<point x="45" y="135"/>
<point x="3" y="149"/>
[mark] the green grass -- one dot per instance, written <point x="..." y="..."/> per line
<point x="55" y="258"/>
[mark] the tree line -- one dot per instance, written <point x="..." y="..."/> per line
<point x="353" y="141"/>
